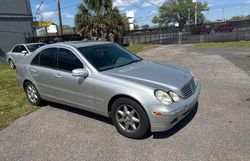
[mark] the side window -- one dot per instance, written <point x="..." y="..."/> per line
<point x="22" y="48"/>
<point x="48" y="57"/>
<point x="68" y="61"/>
<point x="35" y="60"/>
<point x="16" y="49"/>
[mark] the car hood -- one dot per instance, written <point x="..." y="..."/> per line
<point x="153" y="74"/>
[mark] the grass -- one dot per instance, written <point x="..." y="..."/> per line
<point x="13" y="101"/>
<point x="223" y="44"/>
<point x="140" y="47"/>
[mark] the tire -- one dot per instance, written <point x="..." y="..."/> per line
<point x="12" y="65"/>
<point x="129" y="118"/>
<point x="33" y="94"/>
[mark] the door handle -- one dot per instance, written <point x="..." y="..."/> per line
<point x="58" y="76"/>
<point x="33" y="70"/>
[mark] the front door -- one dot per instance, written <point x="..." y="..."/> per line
<point x="77" y="91"/>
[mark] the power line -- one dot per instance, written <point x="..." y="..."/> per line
<point x="152" y="3"/>
<point x="230" y="5"/>
<point x="61" y="8"/>
<point x="38" y="9"/>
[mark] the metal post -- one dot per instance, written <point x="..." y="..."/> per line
<point x="195" y="21"/>
<point x="189" y="22"/>
<point x="237" y="34"/>
<point x="60" y="16"/>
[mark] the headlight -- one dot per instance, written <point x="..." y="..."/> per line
<point x="163" y="97"/>
<point x="174" y="96"/>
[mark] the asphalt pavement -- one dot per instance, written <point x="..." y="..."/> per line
<point x="217" y="129"/>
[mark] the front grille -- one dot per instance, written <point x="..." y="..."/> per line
<point x="188" y="89"/>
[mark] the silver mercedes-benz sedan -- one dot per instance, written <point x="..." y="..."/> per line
<point x="19" y="52"/>
<point x="102" y="77"/>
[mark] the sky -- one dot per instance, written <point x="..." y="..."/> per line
<point x="144" y="11"/>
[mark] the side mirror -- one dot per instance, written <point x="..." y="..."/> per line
<point x="81" y="72"/>
<point x="24" y="52"/>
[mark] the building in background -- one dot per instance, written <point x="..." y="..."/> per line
<point x="130" y="15"/>
<point x="15" y="24"/>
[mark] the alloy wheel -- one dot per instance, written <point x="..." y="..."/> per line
<point x="128" y="118"/>
<point x="12" y="65"/>
<point x="32" y="93"/>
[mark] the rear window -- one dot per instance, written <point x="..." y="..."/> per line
<point x="46" y="58"/>
<point x="33" y="47"/>
<point x="16" y="49"/>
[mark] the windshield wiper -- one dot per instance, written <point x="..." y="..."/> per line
<point x="129" y="62"/>
<point x="120" y="65"/>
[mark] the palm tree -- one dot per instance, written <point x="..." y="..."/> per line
<point x="98" y="20"/>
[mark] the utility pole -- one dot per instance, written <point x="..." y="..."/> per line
<point x="222" y="15"/>
<point x="189" y="22"/>
<point x="196" y="5"/>
<point x="60" y="17"/>
<point x="196" y="13"/>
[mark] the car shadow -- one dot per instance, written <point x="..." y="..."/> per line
<point x="178" y="126"/>
<point x="156" y="135"/>
<point x="80" y="112"/>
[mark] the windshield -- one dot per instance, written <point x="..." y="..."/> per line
<point x="33" y="47"/>
<point x="108" y="56"/>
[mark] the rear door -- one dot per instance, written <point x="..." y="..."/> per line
<point x="20" y="55"/>
<point x="14" y="53"/>
<point x="41" y="69"/>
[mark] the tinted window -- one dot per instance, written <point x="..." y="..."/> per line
<point x="16" y="49"/>
<point x="68" y="61"/>
<point x="48" y="57"/>
<point x="104" y="57"/>
<point x="35" y="60"/>
<point x="22" y="48"/>
<point x="33" y="47"/>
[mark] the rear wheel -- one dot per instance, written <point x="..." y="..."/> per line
<point x="12" y="65"/>
<point x="129" y="118"/>
<point x="32" y="94"/>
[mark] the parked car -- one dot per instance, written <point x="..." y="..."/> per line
<point x="201" y="30"/>
<point x="102" y="77"/>
<point x="19" y="51"/>
<point x="224" y="28"/>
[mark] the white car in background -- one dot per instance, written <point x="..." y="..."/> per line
<point x="19" y="51"/>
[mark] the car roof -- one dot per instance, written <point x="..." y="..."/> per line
<point x="31" y="43"/>
<point x="78" y="44"/>
<point x="34" y="43"/>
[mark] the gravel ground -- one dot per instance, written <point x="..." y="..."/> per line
<point x="218" y="129"/>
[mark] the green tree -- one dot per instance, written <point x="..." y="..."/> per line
<point x="178" y="11"/>
<point x="155" y="20"/>
<point x="239" y="18"/>
<point x="136" y="27"/>
<point x="145" y="27"/>
<point x="99" y="20"/>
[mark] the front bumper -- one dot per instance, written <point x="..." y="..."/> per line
<point x="177" y="112"/>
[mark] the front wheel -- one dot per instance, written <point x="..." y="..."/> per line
<point x="32" y="94"/>
<point x="12" y="65"/>
<point x="129" y="118"/>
